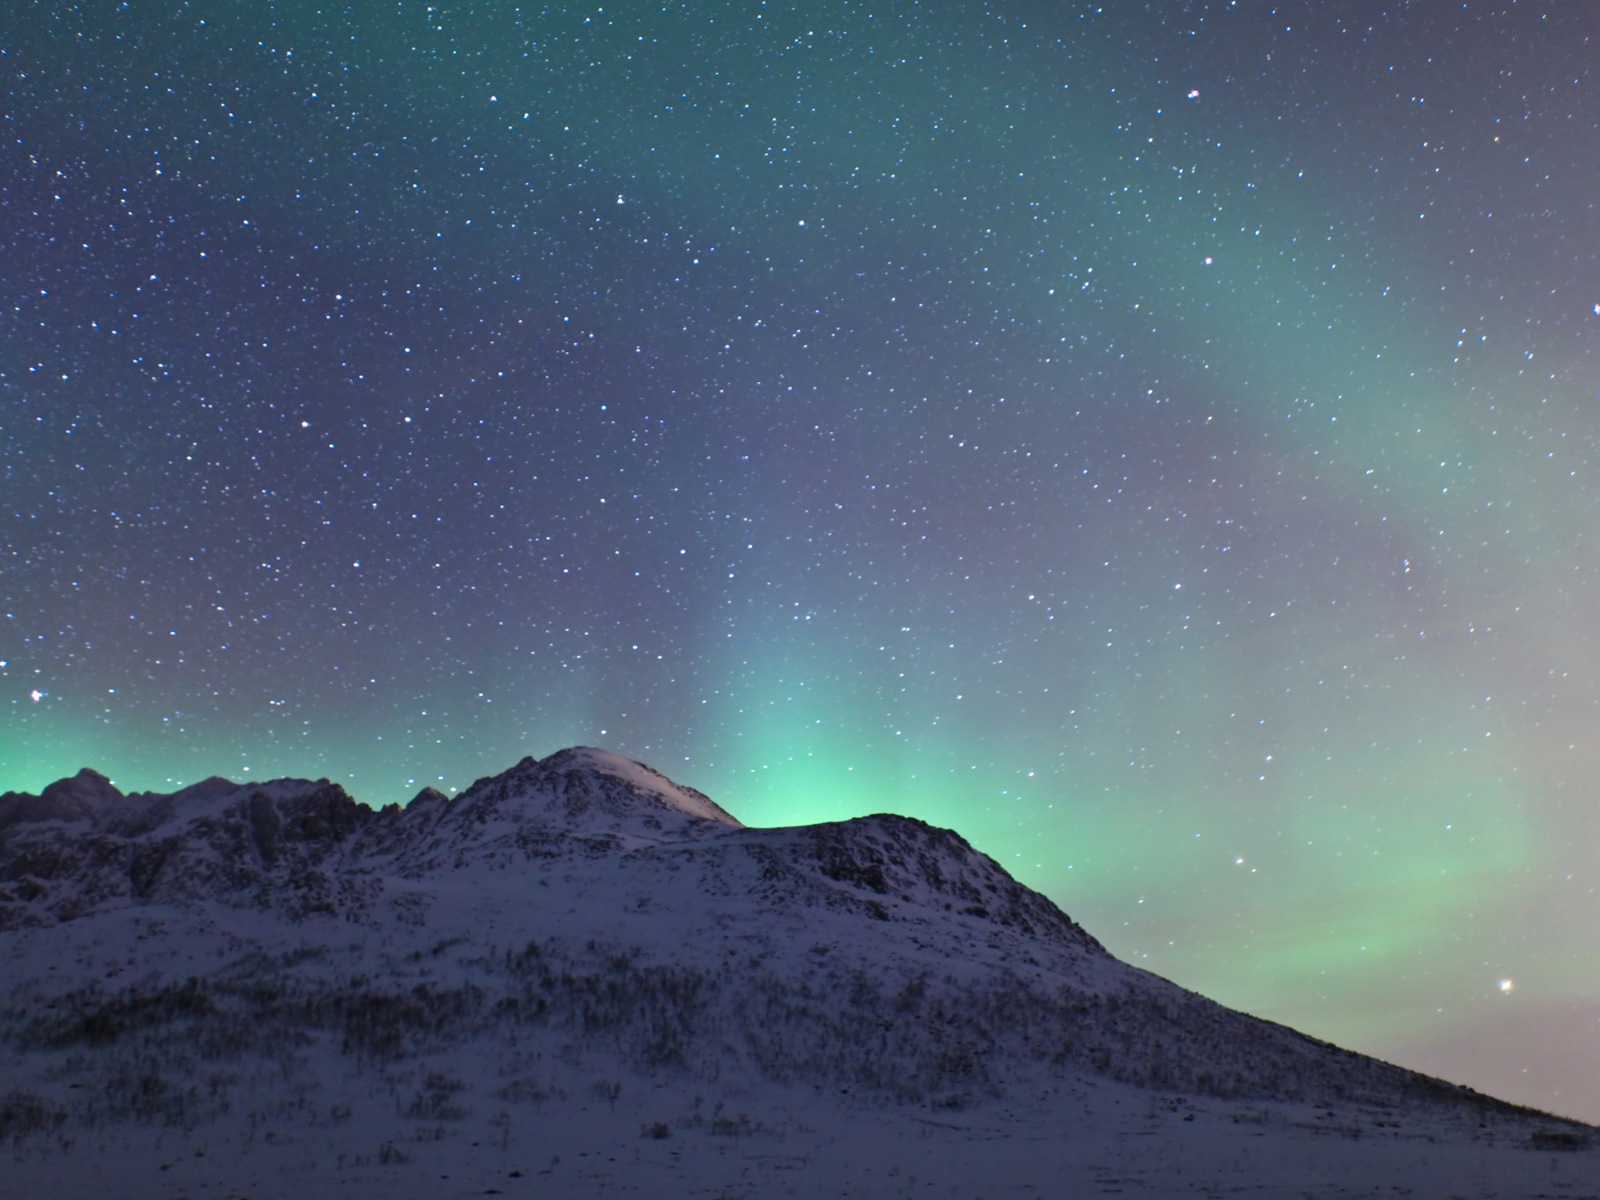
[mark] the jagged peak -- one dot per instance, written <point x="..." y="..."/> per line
<point x="88" y="786"/>
<point x="206" y="789"/>
<point x="645" y="782"/>
<point x="586" y="791"/>
<point x="84" y="796"/>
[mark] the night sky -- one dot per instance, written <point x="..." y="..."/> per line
<point x="1156" y="440"/>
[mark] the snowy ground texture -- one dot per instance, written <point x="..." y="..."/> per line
<point x="577" y="979"/>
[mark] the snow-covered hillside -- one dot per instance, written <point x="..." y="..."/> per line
<point x="579" y="978"/>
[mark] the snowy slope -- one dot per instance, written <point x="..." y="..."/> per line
<point x="259" y="988"/>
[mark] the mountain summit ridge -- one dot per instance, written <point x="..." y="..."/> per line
<point x="314" y="827"/>
<point x="584" y="789"/>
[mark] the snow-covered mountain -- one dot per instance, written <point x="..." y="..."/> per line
<point x="270" y="987"/>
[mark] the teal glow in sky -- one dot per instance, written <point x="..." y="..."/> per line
<point x="1155" y="441"/>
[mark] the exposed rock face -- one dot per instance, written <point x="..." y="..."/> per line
<point x="82" y="846"/>
<point x="80" y="797"/>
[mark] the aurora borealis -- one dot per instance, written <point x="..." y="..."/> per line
<point x="1152" y="439"/>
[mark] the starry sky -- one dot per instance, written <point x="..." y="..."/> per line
<point x="1154" y="439"/>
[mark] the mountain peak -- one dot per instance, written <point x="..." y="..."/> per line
<point x="83" y="796"/>
<point x="645" y="784"/>
<point x="88" y="787"/>
<point x="587" y="792"/>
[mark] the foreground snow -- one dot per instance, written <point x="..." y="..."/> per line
<point x="1079" y="1139"/>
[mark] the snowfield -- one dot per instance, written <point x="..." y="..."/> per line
<point x="579" y="979"/>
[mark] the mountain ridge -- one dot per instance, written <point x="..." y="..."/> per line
<point x="584" y="910"/>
